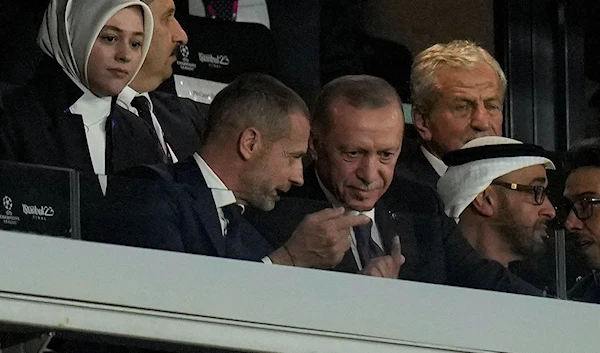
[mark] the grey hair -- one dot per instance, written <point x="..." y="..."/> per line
<point x="359" y="91"/>
<point x="455" y="54"/>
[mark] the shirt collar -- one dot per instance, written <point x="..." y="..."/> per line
<point x="335" y="203"/>
<point x="90" y="107"/>
<point x="435" y="162"/>
<point x="126" y="96"/>
<point x="221" y="194"/>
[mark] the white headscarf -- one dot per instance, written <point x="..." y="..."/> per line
<point x="70" y="28"/>
<point x="459" y="186"/>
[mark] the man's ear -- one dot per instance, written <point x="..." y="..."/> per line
<point x="421" y="123"/>
<point x="486" y="202"/>
<point x="249" y="143"/>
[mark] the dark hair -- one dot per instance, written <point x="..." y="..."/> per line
<point x="253" y="100"/>
<point x="585" y="153"/>
<point x="359" y="91"/>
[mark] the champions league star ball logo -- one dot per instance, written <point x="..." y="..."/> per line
<point x="184" y="51"/>
<point x="8" y="204"/>
<point x="183" y="61"/>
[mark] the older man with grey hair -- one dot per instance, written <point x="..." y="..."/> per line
<point x="457" y="95"/>
<point x="495" y="189"/>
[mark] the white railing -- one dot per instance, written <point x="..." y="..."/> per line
<point x="195" y="300"/>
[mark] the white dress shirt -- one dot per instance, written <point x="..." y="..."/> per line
<point x="124" y="100"/>
<point x="435" y="162"/>
<point x="370" y="213"/>
<point x="94" y="111"/>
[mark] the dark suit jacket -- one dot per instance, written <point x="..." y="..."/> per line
<point x="171" y="208"/>
<point x="587" y="289"/>
<point x="434" y="249"/>
<point x="38" y="128"/>
<point x="413" y="165"/>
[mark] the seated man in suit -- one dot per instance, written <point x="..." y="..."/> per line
<point x="502" y="209"/>
<point x="457" y="95"/>
<point x="257" y="134"/>
<point x="177" y="124"/>
<point x="356" y="138"/>
<point x="582" y="190"/>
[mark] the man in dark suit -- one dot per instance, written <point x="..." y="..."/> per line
<point x="457" y="95"/>
<point x="356" y="138"/>
<point x="178" y="122"/>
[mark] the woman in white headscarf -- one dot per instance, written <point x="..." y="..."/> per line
<point x="95" y="48"/>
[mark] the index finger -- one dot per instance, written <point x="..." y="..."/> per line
<point x="396" y="250"/>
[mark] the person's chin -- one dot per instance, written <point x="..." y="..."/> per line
<point x="361" y="204"/>
<point x="268" y="205"/>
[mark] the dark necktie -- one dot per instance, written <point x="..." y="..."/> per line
<point x="142" y="105"/>
<point x="366" y="246"/>
<point x="222" y="9"/>
<point x="233" y="213"/>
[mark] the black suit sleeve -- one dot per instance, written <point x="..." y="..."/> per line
<point x="141" y="212"/>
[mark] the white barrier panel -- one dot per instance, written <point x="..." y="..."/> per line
<point x="188" y="299"/>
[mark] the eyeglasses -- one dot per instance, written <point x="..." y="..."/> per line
<point x="539" y="192"/>
<point x="583" y="208"/>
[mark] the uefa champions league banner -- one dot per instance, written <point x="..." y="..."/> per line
<point x="217" y="52"/>
<point x="39" y="199"/>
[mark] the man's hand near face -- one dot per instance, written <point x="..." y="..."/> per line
<point x="320" y="241"/>
<point x="387" y="266"/>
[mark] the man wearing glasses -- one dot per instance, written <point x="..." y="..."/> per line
<point x="582" y="190"/>
<point x="495" y="189"/>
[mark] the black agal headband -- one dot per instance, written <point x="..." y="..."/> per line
<point x="467" y="155"/>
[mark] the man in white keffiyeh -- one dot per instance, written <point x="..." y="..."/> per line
<point x="495" y="189"/>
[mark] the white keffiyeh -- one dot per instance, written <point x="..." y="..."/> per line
<point x="459" y="186"/>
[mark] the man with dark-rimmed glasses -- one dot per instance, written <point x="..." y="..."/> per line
<point x="582" y="190"/>
<point x="495" y="188"/>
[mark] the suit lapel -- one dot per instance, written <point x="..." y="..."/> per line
<point x="132" y="142"/>
<point x="246" y="243"/>
<point x="188" y="173"/>
<point x="413" y="164"/>
<point x="66" y="140"/>
<point x="425" y="169"/>
<point x="401" y="224"/>
<point x="386" y="228"/>
<point x="71" y="141"/>
<point x="178" y="133"/>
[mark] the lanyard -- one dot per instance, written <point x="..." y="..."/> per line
<point x="213" y="14"/>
